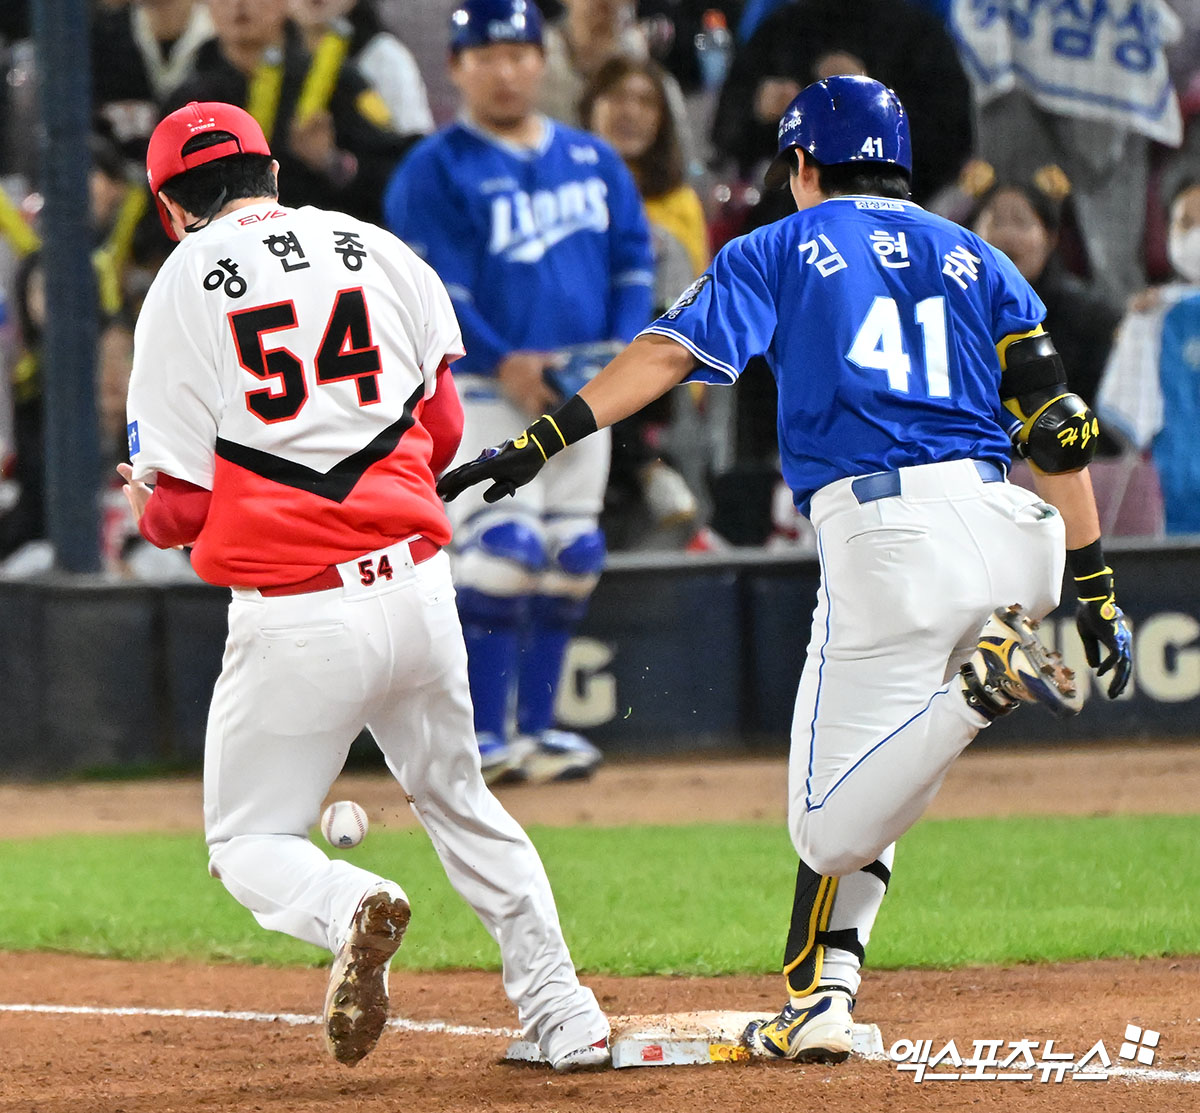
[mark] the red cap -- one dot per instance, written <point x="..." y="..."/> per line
<point x="165" y="158"/>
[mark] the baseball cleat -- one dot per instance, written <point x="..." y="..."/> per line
<point x="1011" y="666"/>
<point x="593" y="1057"/>
<point x="817" y="1030"/>
<point x="557" y="755"/>
<point x="356" y="1002"/>
<point x="499" y="760"/>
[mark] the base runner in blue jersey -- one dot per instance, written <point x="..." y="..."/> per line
<point x="911" y="362"/>
<point x="539" y="234"/>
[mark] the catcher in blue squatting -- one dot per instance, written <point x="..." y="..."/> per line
<point x="910" y="360"/>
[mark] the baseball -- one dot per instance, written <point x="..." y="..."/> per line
<point x="344" y="824"/>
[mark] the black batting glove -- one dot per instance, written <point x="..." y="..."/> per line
<point x="1100" y="622"/>
<point x="509" y="466"/>
<point x="515" y="462"/>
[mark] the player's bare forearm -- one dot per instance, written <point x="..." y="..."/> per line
<point x="645" y="370"/>
<point x="1071" y="495"/>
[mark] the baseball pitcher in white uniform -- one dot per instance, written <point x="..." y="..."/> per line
<point x="290" y="402"/>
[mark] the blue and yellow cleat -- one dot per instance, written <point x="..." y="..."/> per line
<point x="1011" y="666"/>
<point x="815" y="1030"/>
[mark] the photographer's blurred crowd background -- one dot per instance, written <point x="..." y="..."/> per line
<point x="1066" y="135"/>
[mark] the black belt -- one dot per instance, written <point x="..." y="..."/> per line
<point x="886" y="484"/>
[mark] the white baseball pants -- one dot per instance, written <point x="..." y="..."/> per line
<point x="301" y="675"/>
<point x="906" y="584"/>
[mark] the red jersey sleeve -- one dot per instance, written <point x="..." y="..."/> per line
<point x="442" y="416"/>
<point x="175" y="513"/>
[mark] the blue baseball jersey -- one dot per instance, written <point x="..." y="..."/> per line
<point x="1175" y="447"/>
<point x="880" y="322"/>
<point x="540" y="249"/>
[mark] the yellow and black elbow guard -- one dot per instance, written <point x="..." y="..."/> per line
<point x="1058" y="432"/>
<point x="1059" y="435"/>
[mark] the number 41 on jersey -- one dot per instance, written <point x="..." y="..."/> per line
<point x="879" y="345"/>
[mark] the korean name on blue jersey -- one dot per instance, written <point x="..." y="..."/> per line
<point x="886" y="358"/>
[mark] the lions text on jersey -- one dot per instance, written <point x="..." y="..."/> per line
<point x="540" y="248"/>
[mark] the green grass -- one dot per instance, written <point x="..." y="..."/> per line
<point x="696" y="900"/>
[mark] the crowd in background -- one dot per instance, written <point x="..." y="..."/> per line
<point x="1069" y="139"/>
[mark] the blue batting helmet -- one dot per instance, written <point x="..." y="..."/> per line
<point x="483" y="22"/>
<point x="844" y="119"/>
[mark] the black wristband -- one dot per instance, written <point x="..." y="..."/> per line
<point x="575" y="419"/>
<point x="571" y="422"/>
<point x="1088" y="561"/>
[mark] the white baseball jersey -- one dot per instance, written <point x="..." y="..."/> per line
<point x="281" y="360"/>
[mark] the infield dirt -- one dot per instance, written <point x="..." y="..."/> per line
<point x="137" y="1064"/>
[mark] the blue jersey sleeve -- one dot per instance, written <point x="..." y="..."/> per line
<point x="727" y="316"/>
<point x="630" y="255"/>
<point x="1015" y="306"/>
<point x="424" y="207"/>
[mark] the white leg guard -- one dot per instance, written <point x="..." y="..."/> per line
<point x="855" y="906"/>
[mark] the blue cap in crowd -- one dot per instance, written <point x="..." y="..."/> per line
<point x="483" y="22"/>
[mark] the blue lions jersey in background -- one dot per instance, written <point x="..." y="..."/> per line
<point x="880" y="322"/>
<point x="1175" y="446"/>
<point x="540" y="249"/>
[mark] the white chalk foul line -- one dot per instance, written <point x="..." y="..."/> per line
<point x="1154" y="1074"/>
<point x="436" y="1027"/>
